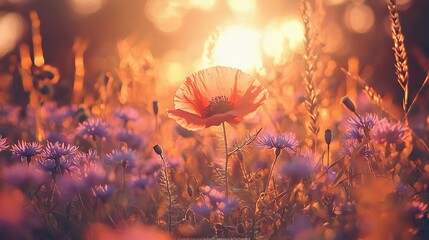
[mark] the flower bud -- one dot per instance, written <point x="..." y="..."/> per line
<point x="190" y="191"/>
<point x="328" y="136"/>
<point x="348" y="103"/>
<point x="155" y="107"/>
<point x="157" y="149"/>
<point x="106" y="78"/>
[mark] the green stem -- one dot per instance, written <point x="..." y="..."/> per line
<point x="327" y="165"/>
<point x="270" y="175"/>
<point x="226" y="161"/>
<point x="110" y="217"/>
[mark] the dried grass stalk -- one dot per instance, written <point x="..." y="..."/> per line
<point x="401" y="64"/>
<point x="310" y="61"/>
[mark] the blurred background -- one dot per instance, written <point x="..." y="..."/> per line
<point x="87" y="38"/>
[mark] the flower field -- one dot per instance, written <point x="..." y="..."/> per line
<point x="293" y="142"/>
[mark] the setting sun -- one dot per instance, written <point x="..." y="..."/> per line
<point x="238" y="47"/>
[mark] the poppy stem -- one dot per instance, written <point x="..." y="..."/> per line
<point x="226" y="161"/>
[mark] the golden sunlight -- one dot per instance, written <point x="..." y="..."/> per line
<point x="238" y="47"/>
<point x="281" y="36"/>
<point x="11" y="28"/>
<point x="86" y="6"/>
<point x="242" y="6"/>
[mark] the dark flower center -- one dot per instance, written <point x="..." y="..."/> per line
<point x="217" y="105"/>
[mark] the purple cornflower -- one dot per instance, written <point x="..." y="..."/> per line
<point x="94" y="128"/>
<point x="151" y="166"/>
<point x="369" y="121"/>
<point x="90" y="169"/>
<point x="214" y="200"/>
<point x="57" y="114"/>
<point x="278" y="142"/>
<point x="26" y="150"/>
<point x="132" y="140"/>
<point x="56" y="137"/>
<point x="103" y="192"/>
<point x="93" y="156"/>
<point x="127" y="114"/>
<point x="390" y="133"/>
<point x="9" y="114"/>
<point x="302" y="165"/>
<point x="57" y="150"/>
<point x="142" y="182"/>
<point x="22" y="176"/>
<point x="62" y="165"/>
<point x="3" y="144"/>
<point x="126" y="157"/>
<point x="357" y="127"/>
<point x="351" y="146"/>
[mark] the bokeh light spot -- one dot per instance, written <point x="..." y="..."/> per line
<point x="242" y="6"/>
<point x="166" y="15"/>
<point x="202" y="4"/>
<point x="359" y="18"/>
<point x="86" y="6"/>
<point x="11" y="29"/>
<point x="282" y="36"/>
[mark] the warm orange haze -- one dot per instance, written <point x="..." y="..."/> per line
<point x="231" y="119"/>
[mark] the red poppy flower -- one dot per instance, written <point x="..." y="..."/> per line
<point x="216" y="95"/>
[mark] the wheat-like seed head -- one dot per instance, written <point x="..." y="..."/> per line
<point x="310" y="61"/>
<point x="401" y="59"/>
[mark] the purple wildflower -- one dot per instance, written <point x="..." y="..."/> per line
<point x="357" y="127"/>
<point x="302" y="165"/>
<point x="9" y="114"/>
<point x="369" y="121"/>
<point x="143" y="182"/>
<point x="351" y="146"/>
<point x="126" y="157"/>
<point x="94" y="128"/>
<point x="132" y="140"/>
<point x="92" y="156"/>
<point x="26" y="150"/>
<point x="174" y="162"/>
<point x="60" y="166"/>
<point x="3" y="144"/>
<point x="57" y="114"/>
<point x="151" y="166"/>
<point x="90" y="169"/>
<point x="390" y="133"/>
<point x="56" y="137"/>
<point x="57" y="150"/>
<point x="21" y="176"/>
<point x="127" y="114"/>
<point x="218" y="200"/>
<point x="103" y="192"/>
<point x="278" y="142"/>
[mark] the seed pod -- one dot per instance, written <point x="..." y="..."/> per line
<point x="106" y="78"/>
<point x="328" y="136"/>
<point x="190" y="191"/>
<point x="348" y="103"/>
<point x="240" y="228"/>
<point x="155" y="107"/>
<point x="45" y="90"/>
<point x="157" y="149"/>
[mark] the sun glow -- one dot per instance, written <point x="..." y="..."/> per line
<point x="282" y="36"/>
<point x="238" y="47"/>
